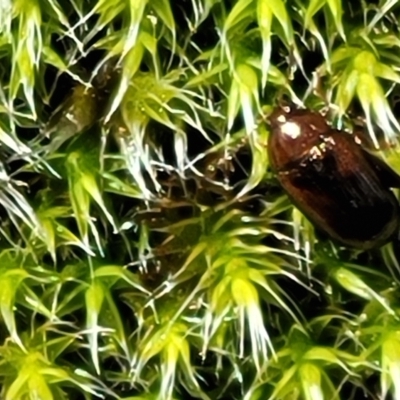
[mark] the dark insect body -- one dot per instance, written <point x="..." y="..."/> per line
<point x="339" y="186"/>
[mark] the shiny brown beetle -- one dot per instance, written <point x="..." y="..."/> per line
<point x="339" y="186"/>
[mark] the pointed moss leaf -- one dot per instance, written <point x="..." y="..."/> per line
<point x="264" y="18"/>
<point x="310" y="378"/>
<point x="186" y="365"/>
<point x="312" y="27"/>
<point x="353" y="283"/>
<point x="346" y="89"/>
<point x="81" y="204"/>
<point x="115" y="185"/>
<point x="171" y="354"/>
<point x="130" y="66"/>
<point x="375" y="104"/>
<point x="89" y="183"/>
<point x="313" y="7"/>
<point x="221" y="296"/>
<point x="390" y="360"/>
<point x="246" y="298"/>
<point x="57" y="373"/>
<point x="241" y="10"/>
<point x="286" y="384"/>
<point x="118" y="272"/>
<point x="5" y="16"/>
<point x="388" y="39"/>
<point x="356" y="285"/>
<point x="28" y="50"/>
<point x="23" y="65"/>
<point x="149" y="42"/>
<point x="386" y="72"/>
<point x="279" y="79"/>
<point x="163" y="9"/>
<point x="60" y="15"/>
<point x="94" y="298"/>
<point x="49" y="235"/>
<point x="136" y="13"/>
<point x="68" y="238"/>
<point x="111" y="317"/>
<point x="336" y="10"/>
<point x="206" y="77"/>
<point x="243" y="94"/>
<point x="259" y="160"/>
<point x="274" y="292"/>
<point x="324" y="354"/>
<point x="16" y="204"/>
<point x="10" y="283"/>
<point x="233" y="103"/>
<point x="13" y="142"/>
<point x="35" y="303"/>
<point x="108" y="11"/>
<point x="384" y="9"/>
<point x="52" y="58"/>
<point x="343" y="54"/>
<point x="278" y="8"/>
<point x="385" y="118"/>
<point x="157" y="113"/>
<point x="154" y="344"/>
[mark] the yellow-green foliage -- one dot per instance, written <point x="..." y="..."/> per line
<point x="146" y="250"/>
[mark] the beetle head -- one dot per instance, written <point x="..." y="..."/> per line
<point x="294" y="132"/>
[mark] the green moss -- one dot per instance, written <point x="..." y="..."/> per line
<point x="146" y="250"/>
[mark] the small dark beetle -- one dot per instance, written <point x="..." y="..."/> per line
<point x="339" y="186"/>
